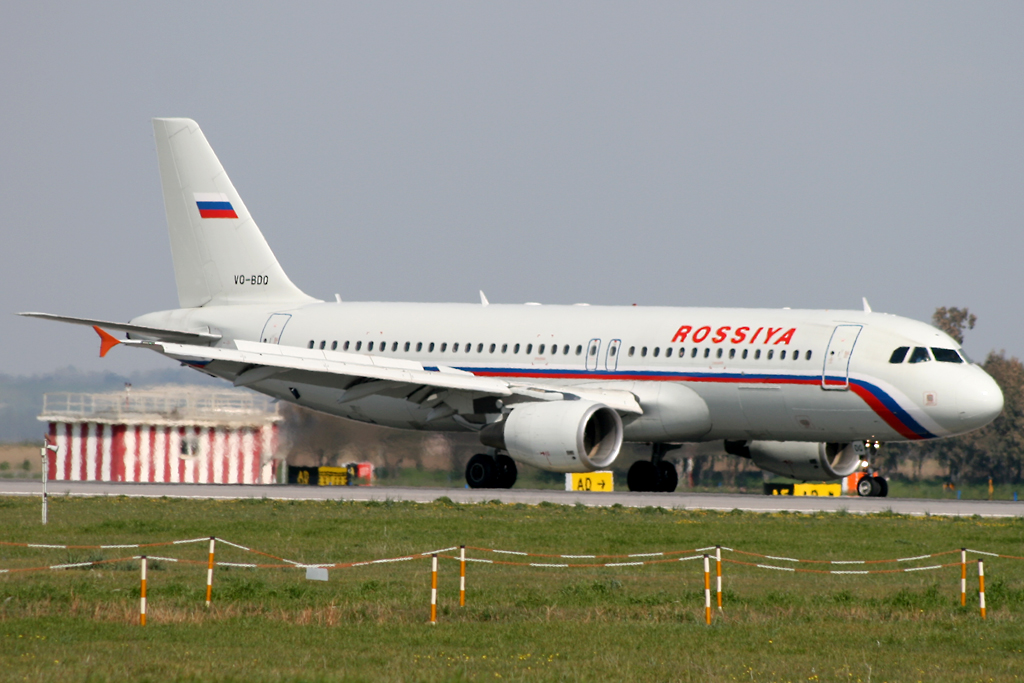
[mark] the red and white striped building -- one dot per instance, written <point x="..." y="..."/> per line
<point x="185" y="434"/>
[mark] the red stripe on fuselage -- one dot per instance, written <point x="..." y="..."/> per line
<point x="883" y="412"/>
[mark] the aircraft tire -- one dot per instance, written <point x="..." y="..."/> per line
<point x="883" y="487"/>
<point x="668" y="479"/>
<point x="480" y="472"/>
<point x="867" y="486"/>
<point x="642" y="476"/>
<point x="505" y="472"/>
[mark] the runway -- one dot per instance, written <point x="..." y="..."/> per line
<point x="678" y="500"/>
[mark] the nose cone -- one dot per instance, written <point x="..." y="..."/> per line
<point x="979" y="400"/>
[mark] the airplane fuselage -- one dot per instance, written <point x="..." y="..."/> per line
<point x="769" y="374"/>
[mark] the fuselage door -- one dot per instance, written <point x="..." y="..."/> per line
<point x="593" y="349"/>
<point x="274" y="327"/>
<point x="835" y="376"/>
<point x="611" y="358"/>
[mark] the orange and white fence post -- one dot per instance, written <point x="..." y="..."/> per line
<point x="707" y="589"/>
<point x="462" y="576"/>
<point x="963" y="577"/>
<point x="142" y="598"/>
<point x="981" y="586"/>
<point x="433" y="589"/>
<point x="718" y="571"/>
<point x="209" y="573"/>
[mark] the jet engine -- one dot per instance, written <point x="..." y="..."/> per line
<point x="801" y="460"/>
<point x="559" y="436"/>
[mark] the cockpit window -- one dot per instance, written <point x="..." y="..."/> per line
<point x="899" y="355"/>
<point x="919" y="355"/>
<point x="967" y="359"/>
<point x="946" y="355"/>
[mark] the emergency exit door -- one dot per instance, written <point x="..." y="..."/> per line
<point x="611" y="357"/>
<point x="593" y="349"/>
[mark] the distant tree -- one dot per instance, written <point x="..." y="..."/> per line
<point x="315" y="434"/>
<point x="319" y="439"/>
<point x="1007" y="430"/>
<point x="953" y="321"/>
<point x="891" y="455"/>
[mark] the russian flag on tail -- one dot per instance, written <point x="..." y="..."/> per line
<point x="214" y="205"/>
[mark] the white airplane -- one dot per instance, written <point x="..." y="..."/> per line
<point x="803" y="393"/>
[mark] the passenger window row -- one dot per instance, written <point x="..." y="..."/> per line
<point x="718" y="353"/>
<point x="566" y="349"/>
<point x="382" y="347"/>
<point x="920" y="355"/>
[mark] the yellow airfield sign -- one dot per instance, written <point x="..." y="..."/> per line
<point x="590" y="481"/>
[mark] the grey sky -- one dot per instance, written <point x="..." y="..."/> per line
<point x="715" y="154"/>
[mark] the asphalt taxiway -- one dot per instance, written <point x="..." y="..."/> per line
<point x="677" y="500"/>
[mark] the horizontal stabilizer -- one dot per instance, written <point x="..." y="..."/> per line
<point x="178" y="336"/>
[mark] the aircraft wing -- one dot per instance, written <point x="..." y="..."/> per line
<point x="257" y="361"/>
<point x="361" y="375"/>
<point x="180" y="336"/>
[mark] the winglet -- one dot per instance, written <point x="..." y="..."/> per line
<point x="107" y="341"/>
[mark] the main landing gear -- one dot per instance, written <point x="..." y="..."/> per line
<point x="491" y="471"/>
<point x="655" y="474"/>
<point x="872" y="485"/>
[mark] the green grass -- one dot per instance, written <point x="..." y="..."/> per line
<point x="521" y="623"/>
<point x="968" y="491"/>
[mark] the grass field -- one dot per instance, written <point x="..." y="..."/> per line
<point x="626" y="623"/>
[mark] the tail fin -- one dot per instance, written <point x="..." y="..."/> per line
<point x="220" y="255"/>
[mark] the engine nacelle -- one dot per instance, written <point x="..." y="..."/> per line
<point x="559" y="436"/>
<point x="800" y="459"/>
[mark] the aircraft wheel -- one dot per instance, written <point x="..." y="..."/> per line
<point x="505" y="471"/>
<point x="668" y="479"/>
<point x="480" y="472"/>
<point x="642" y="476"/>
<point x="867" y="486"/>
<point x="883" y="487"/>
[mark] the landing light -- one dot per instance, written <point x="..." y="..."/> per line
<point x="864" y="464"/>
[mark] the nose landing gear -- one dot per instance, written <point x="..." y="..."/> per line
<point x="654" y="475"/>
<point x="870" y="483"/>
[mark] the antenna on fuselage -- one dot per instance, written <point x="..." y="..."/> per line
<point x="867" y="306"/>
<point x="483" y="299"/>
